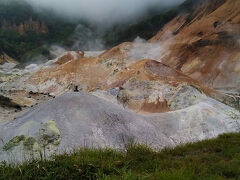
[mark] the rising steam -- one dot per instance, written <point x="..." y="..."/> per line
<point x="102" y="11"/>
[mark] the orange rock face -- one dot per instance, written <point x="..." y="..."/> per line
<point x="5" y="58"/>
<point x="120" y="51"/>
<point x="205" y="44"/>
<point x="30" y="25"/>
<point x="69" y="57"/>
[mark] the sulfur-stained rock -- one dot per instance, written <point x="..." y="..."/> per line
<point x="36" y="140"/>
<point x="185" y="96"/>
<point x="49" y="134"/>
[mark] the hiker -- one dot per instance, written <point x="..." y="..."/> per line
<point x="76" y="89"/>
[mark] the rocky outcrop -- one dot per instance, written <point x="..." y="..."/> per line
<point x="4" y="58"/>
<point x="146" y="82"/>
<point x="30" y="25"/>
<point x="69" y="57"/>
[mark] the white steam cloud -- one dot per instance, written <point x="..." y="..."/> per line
<point x="100" y="11"/>
<point x="144" y="50"/>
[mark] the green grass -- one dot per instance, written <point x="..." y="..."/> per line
<point x="210" y="159"/>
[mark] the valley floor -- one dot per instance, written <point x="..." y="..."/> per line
<point x="210" y="159"/>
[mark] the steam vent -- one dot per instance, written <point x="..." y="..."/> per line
<point x="98" y="86"/>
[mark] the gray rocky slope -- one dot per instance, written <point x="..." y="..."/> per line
<point x="82" y="120"/>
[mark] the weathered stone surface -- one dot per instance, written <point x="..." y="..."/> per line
<point x="85" y="120"/>
<point x="185" y="96"/>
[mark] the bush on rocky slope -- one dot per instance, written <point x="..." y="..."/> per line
<point x="6" y="102"/>
<point x="209" y="159"/>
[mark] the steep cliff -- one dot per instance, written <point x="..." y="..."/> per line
<point x="26" y="33"/>
<point x="29" y="25"/>
<point x="205" y="43"/>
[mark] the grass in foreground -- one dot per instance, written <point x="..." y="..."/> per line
<point x="210" y="159"/>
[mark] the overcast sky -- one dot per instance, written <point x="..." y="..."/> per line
<point x="102" y="10"/>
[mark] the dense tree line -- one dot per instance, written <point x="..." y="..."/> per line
<point x="25" y="46"/>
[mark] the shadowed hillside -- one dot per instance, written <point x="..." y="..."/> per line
<point x="26" y="33"/>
